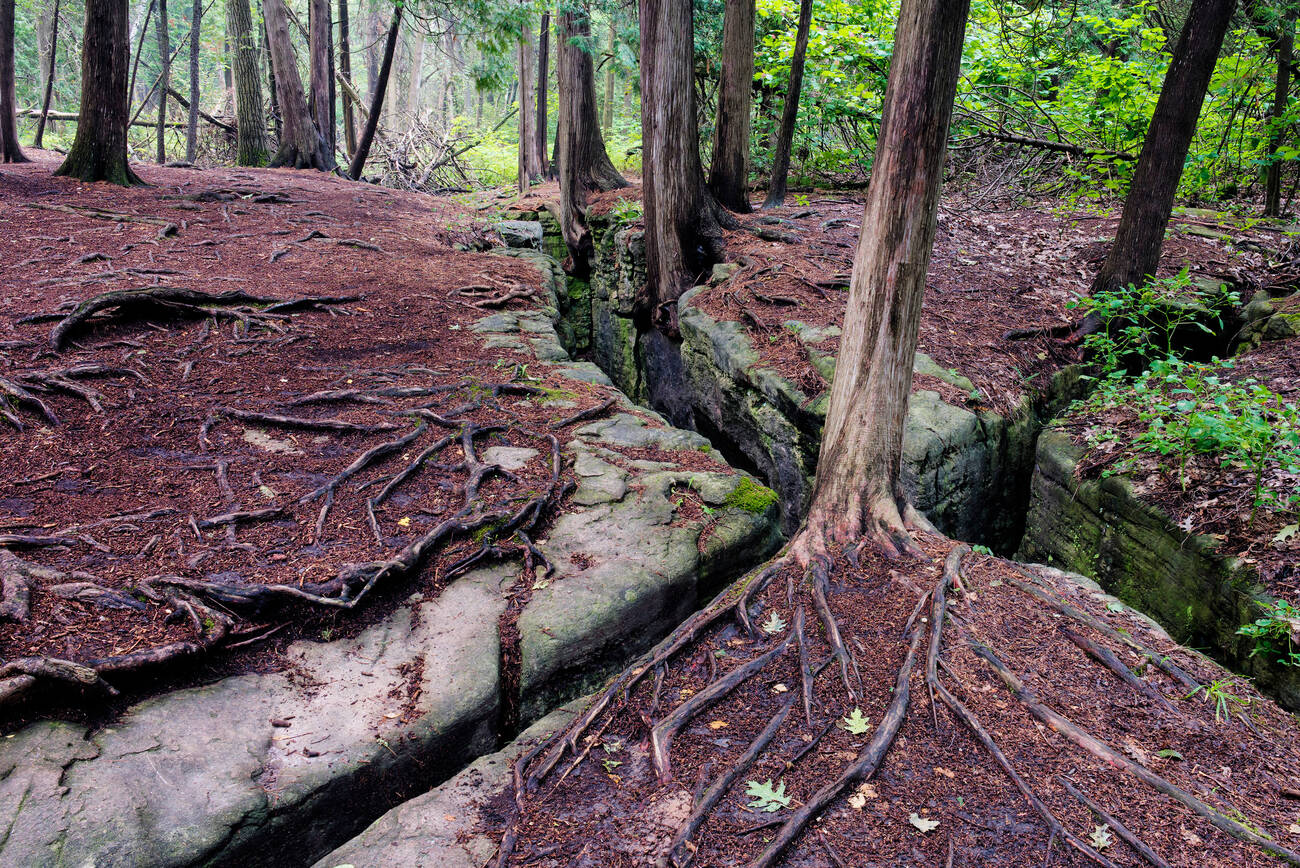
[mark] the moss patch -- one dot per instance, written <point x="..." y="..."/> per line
<point x="751" y="497"/>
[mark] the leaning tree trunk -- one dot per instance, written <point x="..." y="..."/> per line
<point x="530" y="155"/>
<point x="583" y="165"/>
<point x="1141" y="232"/>
<point x="856" y="494"/>
<point x="785" y="137"/>
<point x="683" y="232"/>
<point x="192" y="121"/>
<point x="39" y="140"/>
<point x="318" y="48"/>
<point x="98" y="151"/>
<point x="377" y="97"/>
<point x="729" y="172"/>
<point x="164" y="77"/>
<point x="345" y="67"/>
<point x="10" y="152"/>
<point x="301" y="145"/>
<point x="251" y="124"/>
<point x="1284" y="49"/>
<point x="543" y="79"/>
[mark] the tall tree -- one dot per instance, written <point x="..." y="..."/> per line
<point x="543" y="81"/>
<point x="530" y="155"/>
<point x="98" y="151"/>
<point x="319" y="26"/>
<point x="856" y="494"/>
<point x="683" y="222"/>
<point x="1136" y="250"/>
<point x="53" y="51"/>
<point x="10" y="152"/>
<point x="345" y="67"/>
<point x="729" y="171"/>
<point x="273" y="91"/>
<point x="164" y="77"/>
<point x="377" y="98"/>
<point x="785" y="136"/>
<point x="301" y="144"/>
<point x="584" y="165"/>
<point x="192" y="120"/>
<point x="1283" y="48"/>
<point x="251" y="144"/>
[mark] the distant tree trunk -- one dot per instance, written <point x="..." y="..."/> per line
<point x="413" y="83"/>
<point x="607" y="120"/>
<point x="10" y="152"/>
<point x="318" y="49"/>
<point x="857" y="493"/>
<point x="584" y="166"/>
<point x="683" y="228"/>
<point x="530" y="156"/>
<point x="373" y="50"/>
<point x="785" y="137"/>
<point x="301" y="144"/>
<point x="164" y="77"/>
<point x="1136" y="251"/>
<point x="192" y="122"/>
<point x="38" y="142"/>
<point x="345" y="67"/>
<point x="251" y="124"/>
<point x="729" y="172"/>
<point x="377" y="98"/>
<point x="543" y="79"/>
<point x="1284" y="49"/>
<point x="98" y="151"/>
<point x="274" y="91"/>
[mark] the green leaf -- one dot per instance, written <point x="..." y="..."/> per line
<point x="767" y="797"/>
<point x="1169" y="753"/>
<point x="855" y="722"/>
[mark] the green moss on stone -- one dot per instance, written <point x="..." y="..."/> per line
<point x="751" y="497"/>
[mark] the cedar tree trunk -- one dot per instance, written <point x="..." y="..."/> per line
<point x="729" y="172"/>
<point x="530" y="155"/>
<point x="301" y="144"/>
<point x="345" y="67"/>
<point x="543" y="79"/>
<point x="251" y="124"/>
<point x="164" y="77"/>
<point x="318" y="48"/>
<point x="10" y="152"/>
<point x="192" y="121"/>
<point x="785" y="137"/>
<point x="1273" y="179"/>
<point x="856" y="495"/>
<point x="98" y="151"/>
<point x="39" y="140"/>
<point x="377" y="98"/>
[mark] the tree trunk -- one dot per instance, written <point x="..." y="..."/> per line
<point x="1273" y="179"/>
<point x="607" y="119"/>
<point x="543" y="79"/>
<point x="373" y="51"/>
<point x="98" y="151"/>
<point x="164" y="77"/>
<point x="413" y="83"/>
<point x="38" y="142"/>
<point x="318" y="48"/>
<point x="301" y="144"/>
<point x="729" y="172"/>
<point x="192" y="121"/>
<point x="10" y="152"/>
<point x="377" y="98"/>
<point x="251" y="124"/>
<point x="530" y="156"/>
<point x="1141" y="232"/>
<point x="584" y="166"/>
<point x="345" y="67"/>
<point x="856" y="493"/>
<point x="273" y="90"/>
<point x="785" y="137"/>
<point x="683" y="232"/>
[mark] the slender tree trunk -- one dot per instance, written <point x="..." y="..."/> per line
<point x="164" y="77"/>
<point x="530" y="156"/>
<point x="39" y="141"/>
<point x="729" y="172"/>
<point x="1273" y="179"/>
<point x="98" y="151"/>
<point x="413" y="83"/>
<point x="543" y="80"/>
<point x="251" y="124"/>
<point x="301" y="144"/>
<point x="856" y="493"/>
<point x="192" y="121"/>
<point x="318" y="29"/>
<point x="1141" y="232"/>
<point x="373" y="51"/>
<point x="377" y="98"/>
<point x="139" y="52"/>
<point x="607" y="119"/>
<point x="345" y="66"/>
<point x="10" y="152"/>
<point x="584" y="166"/>
<point x="683" y="229"/>
<point x="274" y="91"/>
<point x="785" y="138"/>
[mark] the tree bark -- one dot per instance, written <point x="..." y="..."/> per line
<point x="377" y="98"/>
<point x="164" y="77"/>
<point x="1141" y="232"/>
<point x="98" y="151"/>
<point x="1284" y="48"/>
<point x="856" y="494"/>
<point x="39" y="141"/>
<point x="584" y="165"/>
<point x="10" y="152"/>
<point x="318" y="48"/>
<point x="543" y="80"/>
<point x="683" y="229"/>
<point x="301" y="144"/>
<point x="251" y="124"/>
<point x="530" y="156"/>
<point x="345" y="66"/>
<point x="785" y="137"/>
<point x="192" y="120"/>
<point x="729" y="171"/>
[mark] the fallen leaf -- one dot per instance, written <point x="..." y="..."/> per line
<point x="719" y="724"/>
<point x="404" y="521"/>
<point x="939" y="770"/>
<point x="922" y="823"/>
<point x="1100" y="837"/>
<point x="779" y="688"/>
